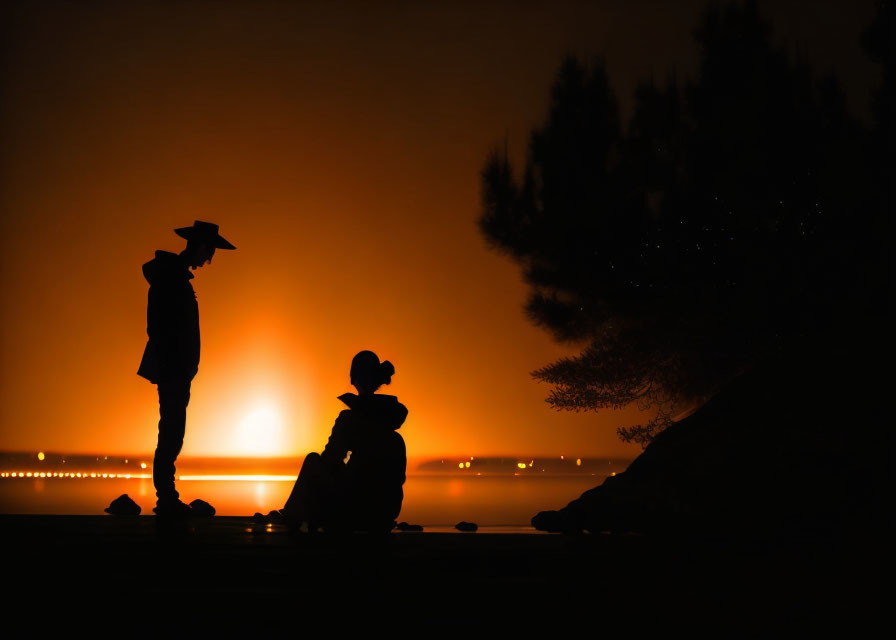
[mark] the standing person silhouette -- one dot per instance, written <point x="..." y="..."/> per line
<point x="171" y="357"/>
<point x="355" y="484"/>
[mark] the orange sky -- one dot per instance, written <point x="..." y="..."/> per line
<point x="340" y="151"/>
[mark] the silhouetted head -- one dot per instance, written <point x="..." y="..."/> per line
<point x="202" y="240"/>
<point x="368" y="374"/>
<point x="198" y="253"/>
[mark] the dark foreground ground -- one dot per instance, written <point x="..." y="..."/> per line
<point x="227" y="574"/>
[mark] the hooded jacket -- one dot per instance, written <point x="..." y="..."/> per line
<point x="376" y="467"/>
<point x="172" y="320"/>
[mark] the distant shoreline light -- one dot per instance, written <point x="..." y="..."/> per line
<point x="97" y="467"/>
<point x="145" y="476"/>
<point x="73" y="474"/>
<point x="41" y="475"/>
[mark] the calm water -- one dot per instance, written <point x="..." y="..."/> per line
<point x="429" y="499"/>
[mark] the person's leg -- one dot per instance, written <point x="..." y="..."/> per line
<point x="174" y="395"/>
<point x="301" y="500"/>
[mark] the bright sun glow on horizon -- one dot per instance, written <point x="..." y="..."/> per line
<point x="260" y="432"/>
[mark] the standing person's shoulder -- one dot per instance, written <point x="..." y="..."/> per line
<point x="165" y="267"/>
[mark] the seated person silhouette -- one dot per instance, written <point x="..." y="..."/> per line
<point x="355" y="484"/>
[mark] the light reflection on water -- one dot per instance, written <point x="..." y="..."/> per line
<point x="429" y="499"/>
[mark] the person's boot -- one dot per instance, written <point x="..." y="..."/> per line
<point x="172" y="509"/>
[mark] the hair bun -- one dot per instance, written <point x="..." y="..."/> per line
<point x="388" y="370"/>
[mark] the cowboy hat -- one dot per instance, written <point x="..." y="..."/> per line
<point x="204" y="232"/>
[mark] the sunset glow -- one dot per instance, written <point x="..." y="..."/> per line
<point x="352" y="231"/>
<point x="260" y="432"/>
<point x="341" y="155"/>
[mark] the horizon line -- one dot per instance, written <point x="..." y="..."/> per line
<point x="446" y="456"/>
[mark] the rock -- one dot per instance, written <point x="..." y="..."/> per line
<point x="556" y="522"/>
<point x="123" y="506"/>
<point x="463" y="525"/>
<point x="404" y="526"/>
<point x="202" y="509"/>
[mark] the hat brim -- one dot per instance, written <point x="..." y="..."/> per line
<point x="190" y="233"/>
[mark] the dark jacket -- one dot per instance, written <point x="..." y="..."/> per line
<point x="375" y="472"/>
<point x="172" y="320"/>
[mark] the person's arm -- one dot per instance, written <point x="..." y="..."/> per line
<point x="161" y="326"/>
<point x="338" y="444"/>
<point x="168" y="326"/>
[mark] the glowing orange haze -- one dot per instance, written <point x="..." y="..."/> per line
<point x="340" y="152"/>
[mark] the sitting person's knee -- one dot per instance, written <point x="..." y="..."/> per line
<point x="311" y="462"/>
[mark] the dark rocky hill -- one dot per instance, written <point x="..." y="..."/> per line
<point x="801" y="444"/>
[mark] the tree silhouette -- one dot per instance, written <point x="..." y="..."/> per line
<point x="728" y="220"/>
